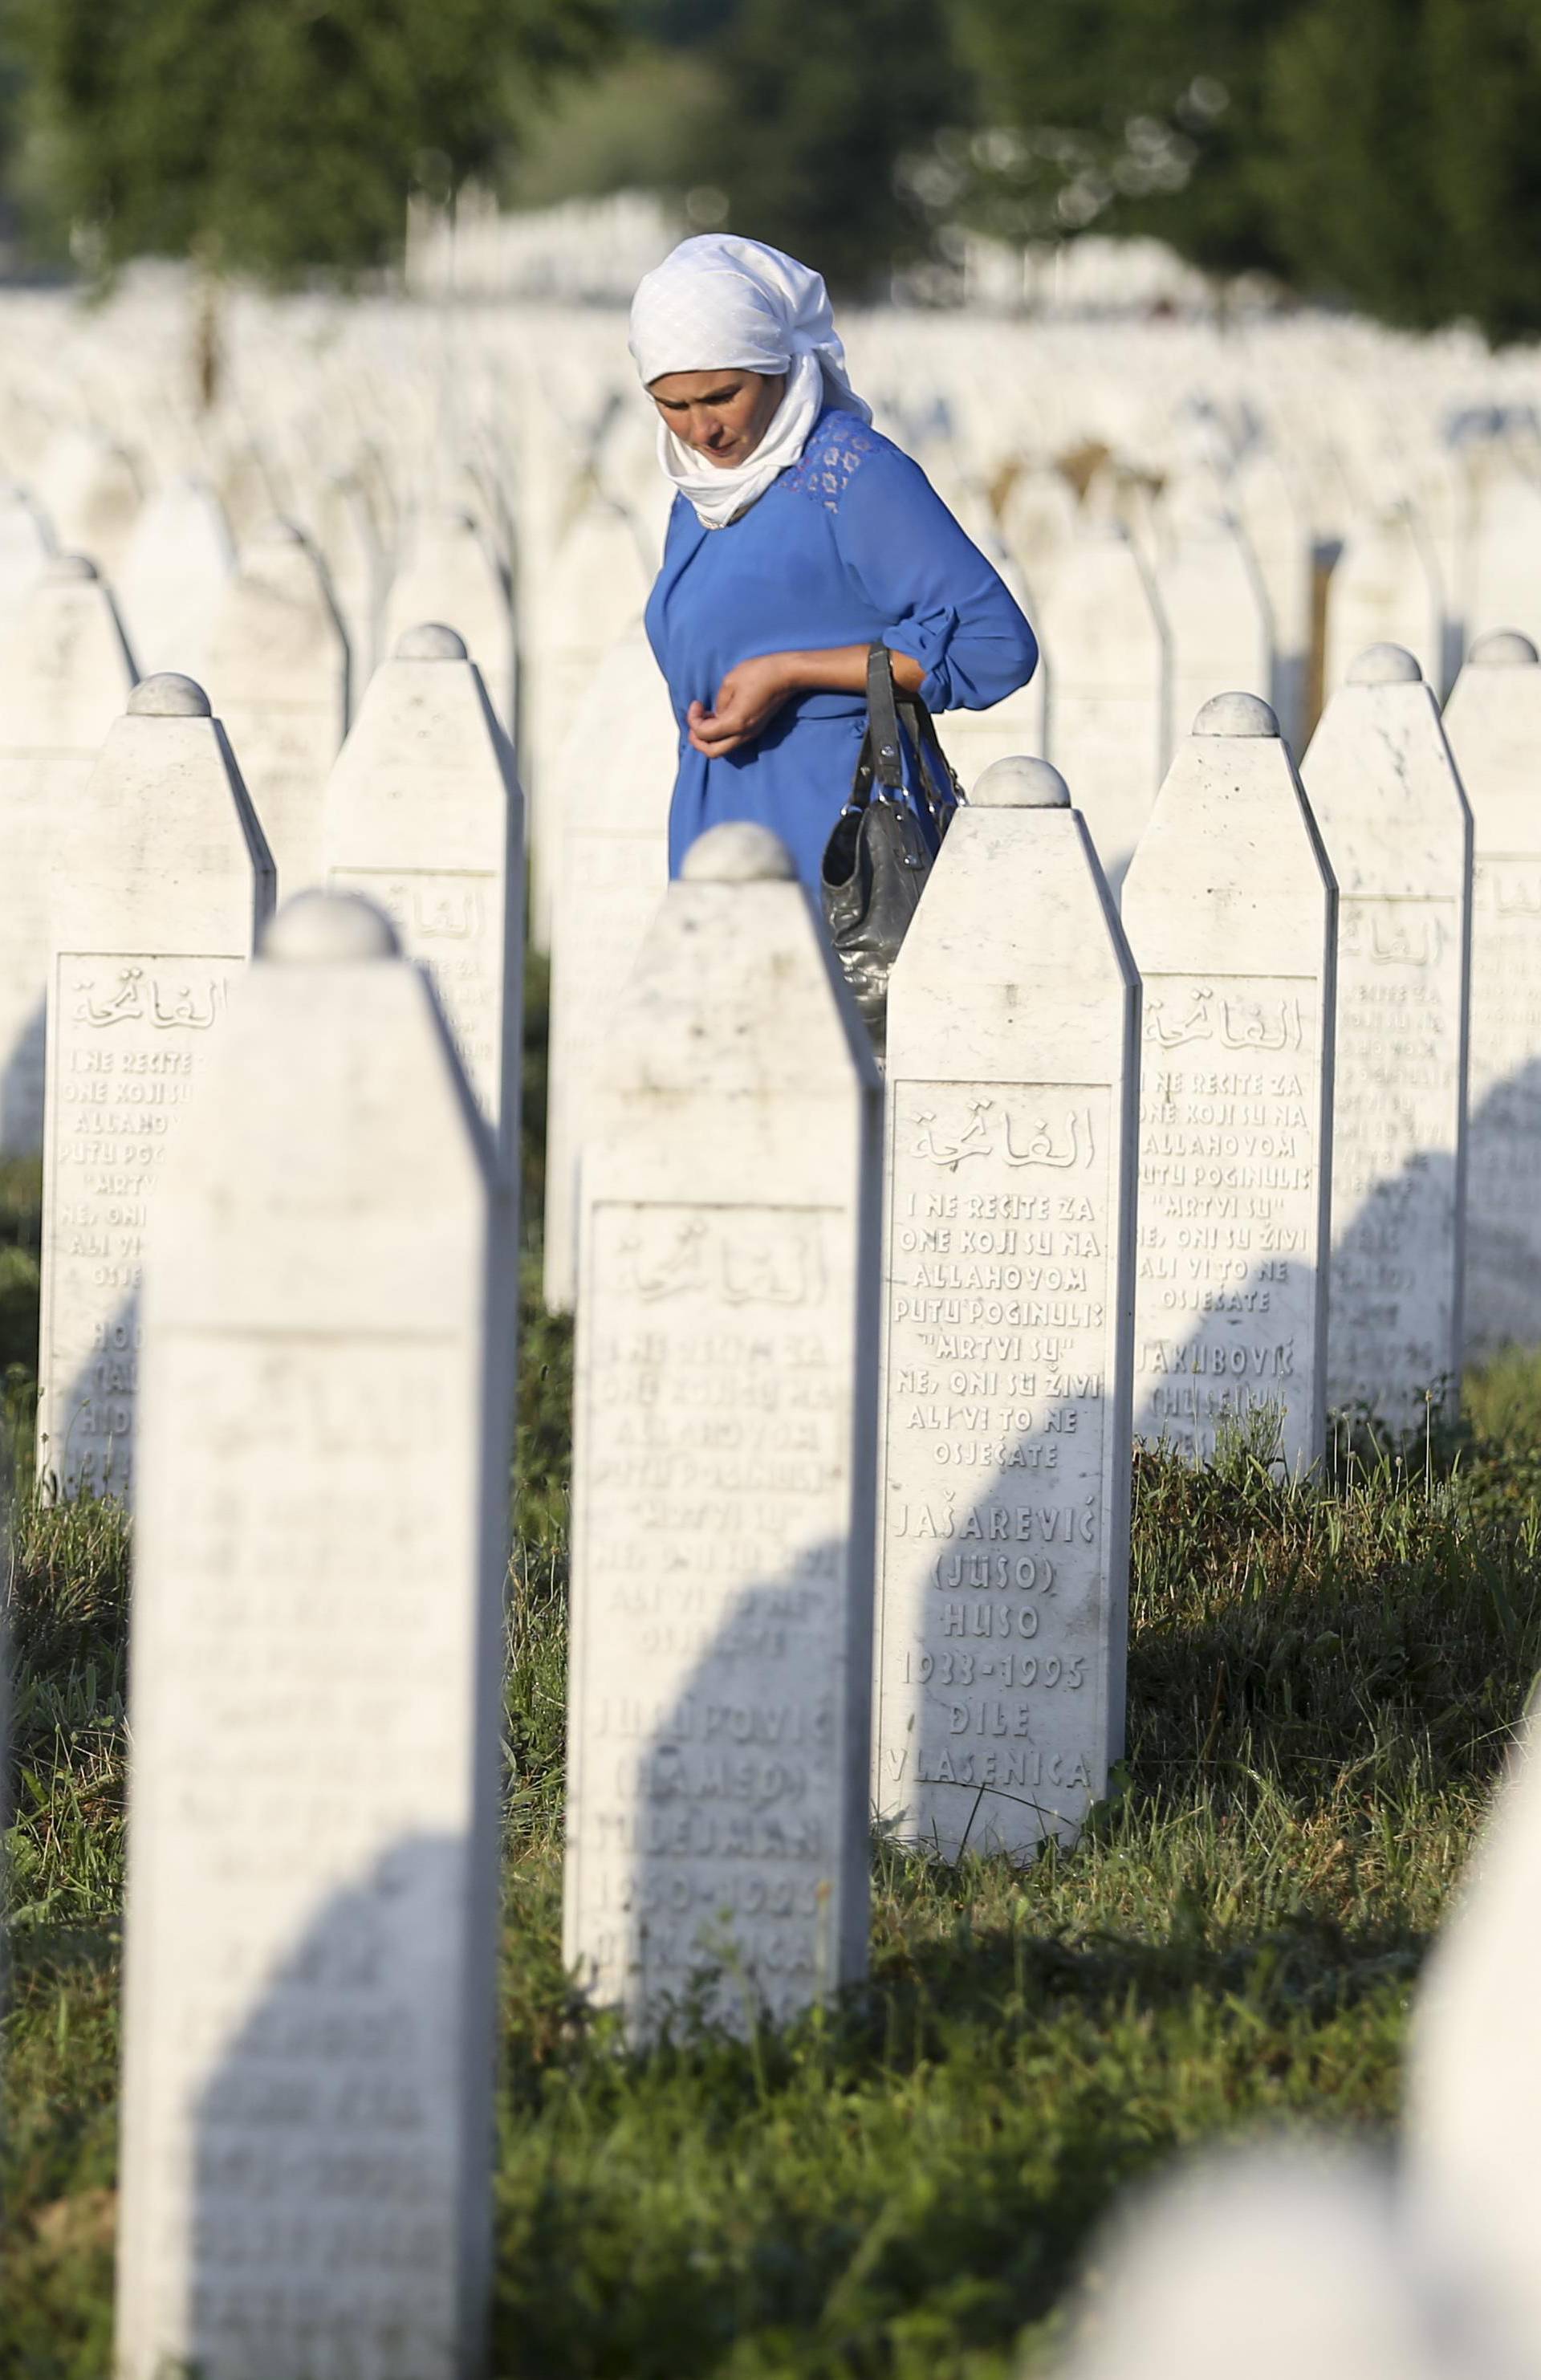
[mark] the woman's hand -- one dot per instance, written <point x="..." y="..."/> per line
<point x="748" y="698"/>
<point x="754" y="691"/>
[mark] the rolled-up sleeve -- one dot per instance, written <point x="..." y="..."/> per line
<point x="951" y="610"/>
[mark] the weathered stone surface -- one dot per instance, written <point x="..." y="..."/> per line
<point x="317" y="1651"/>
<point x="722" y="1469"/>
<point x="617" y="772"/>
<point x="1493" y="723"/>
<point x="152" y="921"/>
<point x="1397" y="832"/>
<point x="1003" y="1454"/>
<point x="277" y="673"/>
<point x="64" y="676"/>
<point x="1230" y="911"/>
<point x="423" y="813"/>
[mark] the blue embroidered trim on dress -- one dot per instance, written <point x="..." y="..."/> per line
<point x="831" y="458"/>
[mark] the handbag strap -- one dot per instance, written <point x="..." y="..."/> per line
<point x="880" y="767"/>
<point x="882" y="713"/>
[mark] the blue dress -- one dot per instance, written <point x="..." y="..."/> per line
<point x="851" y="546"/>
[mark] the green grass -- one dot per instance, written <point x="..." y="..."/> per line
<point x="1321" y="1687"/>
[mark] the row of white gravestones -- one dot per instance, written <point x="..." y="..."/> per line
<point x="65" y="673"/>
<point x="328" y="1325"/>
<point x="1284" y="2261"/>
<point x="168" y="877"/>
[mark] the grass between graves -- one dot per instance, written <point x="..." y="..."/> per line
<point x="1322" y="1684"/>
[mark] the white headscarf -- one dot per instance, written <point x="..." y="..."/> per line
<point x="722" y="303"/>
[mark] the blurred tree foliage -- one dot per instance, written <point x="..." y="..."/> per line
<point x="275" y="135"/>
<point x="822" y="107"/>
<point x="1402" y="164"/>
<point x="1132" y="117"/>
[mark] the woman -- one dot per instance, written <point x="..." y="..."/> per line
<point x="799" y="537"/>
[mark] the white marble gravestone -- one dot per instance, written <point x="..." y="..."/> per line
<point x="178" y="559"/>
<point x="589" y="596"/>
<point x="317" y="1656"/>
<point x="1474" y="2095"/>
<point x="1287" y="2263"/>
<point x="617" y="773"/>
<point x="1229" y="908"/>
<point x="424" y="813"/>
<point x="1384" y="589"/>
<point x="1110" y="667"/>
<point x="167" y="882"/>
<point x="64" y="676"/>
<point x="1003" y="1431"/>
<point x="26" y="546"/>
<point x="723" y="1489"/>
<point x="277" y="673"/>
<point x="90" y="490"/>
<point x="1397" y="832"/>
<point x="1216" y="610"/>
<point x="447" y="572"/>
<point x="1493" y="723"/>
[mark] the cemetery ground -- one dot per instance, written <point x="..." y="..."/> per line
<point x="1322" y="1684"/>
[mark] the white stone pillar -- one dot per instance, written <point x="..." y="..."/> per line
<point x="617" y="774"/>
<point x="317" y="1662"/>
<point x="424" y="813"/>
<point x="167" y="882"/>
<point x="64" y="676"/>
<point x="1110" y="668"/>
<point x="1230" y="910"/>
<point x="1493" y="723"/>
<point x="277" y="668"/>
<point x="1397" y="832"/>
<point x="723" y="1464"/>
<point x="1003" y="1454"/>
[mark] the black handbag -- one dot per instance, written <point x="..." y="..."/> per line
<point x="878" y="857"/>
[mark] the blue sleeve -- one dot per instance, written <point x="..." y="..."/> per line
<point x="951" y="612"/>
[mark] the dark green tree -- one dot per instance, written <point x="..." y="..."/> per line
<point x="1126" y="116"/>
<point x="821" y="106"/>
<point x="276" y="136"/>
<point x="1402" y="164"/>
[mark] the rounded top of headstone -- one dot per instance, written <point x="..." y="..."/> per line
<point x="1021" y="784"/>
<point x="168" y="695"/>
<point x="320" y="929"/>
<point x="66" y="567"/>
<point x="432" y="643"/>
<point x="1384" y="666"/>
<point x="739" y="853"/>
<point x="1236" y="714"/>
<point x="1504" y="649"/>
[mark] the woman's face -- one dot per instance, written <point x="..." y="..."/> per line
<point x="723" y="415"/>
